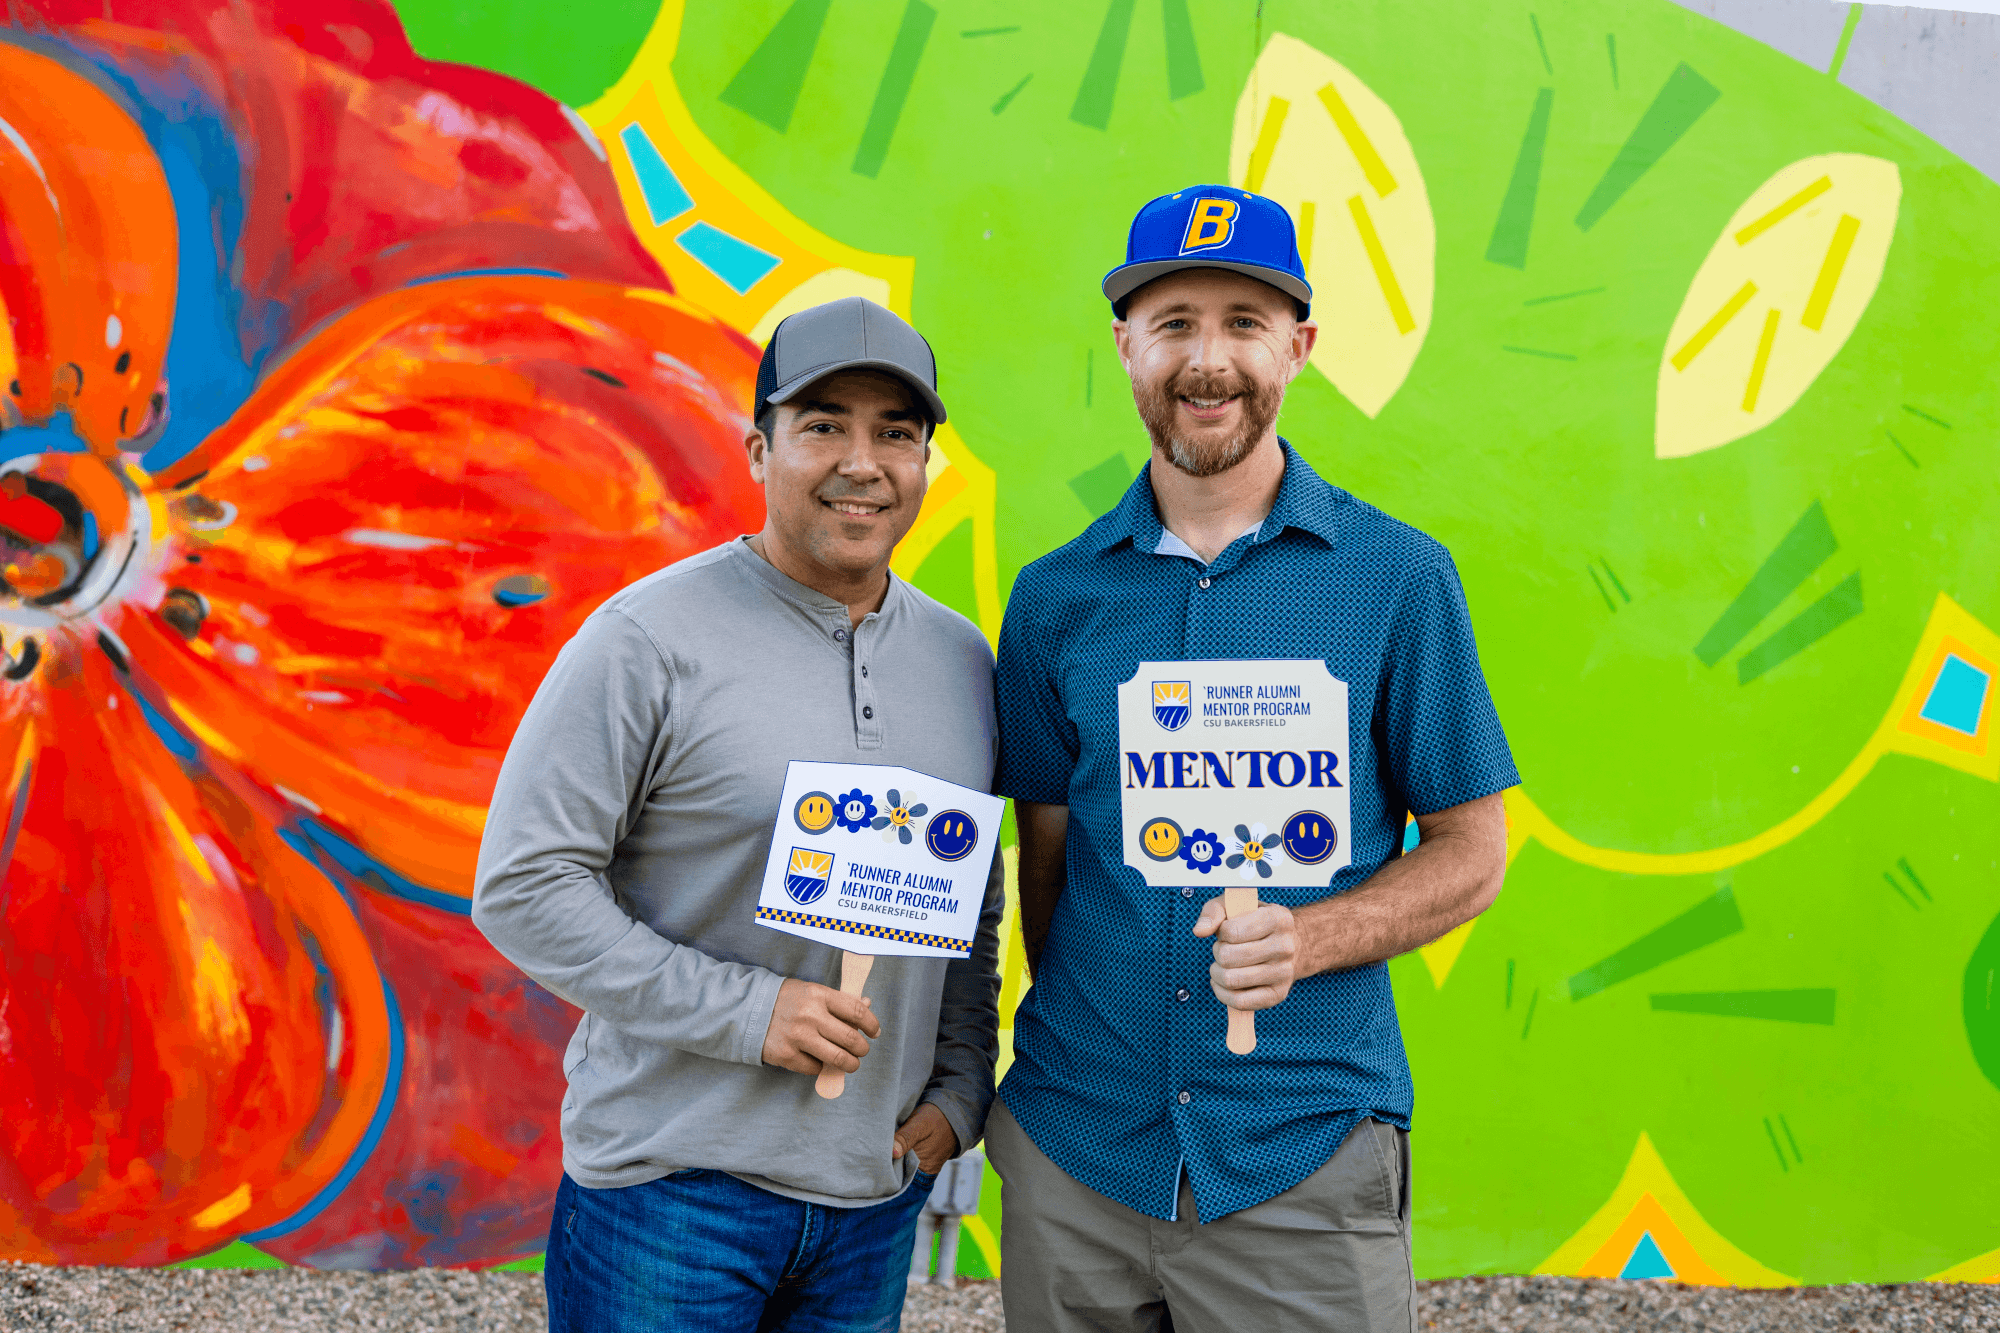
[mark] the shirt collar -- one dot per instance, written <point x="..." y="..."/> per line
<point x="1305" y="502"/>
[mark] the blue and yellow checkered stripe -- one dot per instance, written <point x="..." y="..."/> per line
<point x="855" y="928"/>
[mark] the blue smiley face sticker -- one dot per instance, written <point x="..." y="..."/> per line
<point x="1310" y="837"/>
<point x="951" y="836"/>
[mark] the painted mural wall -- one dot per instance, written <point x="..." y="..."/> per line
<point x="353" y="354"/>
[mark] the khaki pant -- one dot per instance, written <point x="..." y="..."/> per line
<point x="1331" y="1254"/>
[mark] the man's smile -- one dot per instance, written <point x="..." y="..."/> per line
<point x="1208" y="409"/>
<point x="855" y="508"/>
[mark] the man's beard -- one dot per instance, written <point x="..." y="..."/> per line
<point x="1159" y="408"/>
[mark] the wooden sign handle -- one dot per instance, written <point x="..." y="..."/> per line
<point x="1242" y="1038"/>
<point x="854" y="968"/>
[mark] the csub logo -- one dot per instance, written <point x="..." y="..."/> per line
<point x="1172" y="704"/>
<point x="806" y="876"/>
<point x="951" y="836"/>
<point x="814" y="812"/>
<point x="1210" y="225"/>
<point x="1310" y="837"/>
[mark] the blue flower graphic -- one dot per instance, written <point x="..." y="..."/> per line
<point x="854" y="811"/>
<point x="1202" y="850"/>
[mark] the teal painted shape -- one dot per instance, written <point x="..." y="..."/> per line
<point x="895" y="88"/>
<point x="1100" y="77"/>
<point x="1646" y="1261"/>
<point x="1804" y="630"/>
<point x="1715" y="918"/>
<point x="1958" y="696"/>
<point x="738" y="263"/>
<point x="666" y="198"/>
<point x="768" y="85"/>
<point x="1679" y="104"/>
<point x="1509" y="245"/>
<point x="1802" y="550"/>
<point x="1779" y="1006"/>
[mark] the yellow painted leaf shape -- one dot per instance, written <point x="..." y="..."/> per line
<point x="1312" y="136"/>
<point x="1778" y="295"/>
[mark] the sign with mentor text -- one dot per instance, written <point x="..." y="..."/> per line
<point x="875" y="859"/>
<point x="1234" y="772"/>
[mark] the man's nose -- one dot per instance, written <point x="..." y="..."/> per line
<point x="860" y="460"/>
<point x="1209" y="354"/>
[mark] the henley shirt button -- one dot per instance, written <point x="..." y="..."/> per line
<point x="868" y="711"/>
<point x="840" y="636"/>
<point x="864" y="672"/>
<point x="1185" y="1099"/>
<point x="1181" y="994"/>
<point x="1205" y="583"/>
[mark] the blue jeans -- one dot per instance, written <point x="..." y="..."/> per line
<point x="701" y="1250"/>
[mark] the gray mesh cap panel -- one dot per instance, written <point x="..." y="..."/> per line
<point x="850" y="334"/>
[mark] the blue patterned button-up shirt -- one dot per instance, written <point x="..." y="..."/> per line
<point x="1120" y="1075"/>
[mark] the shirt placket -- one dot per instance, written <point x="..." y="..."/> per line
<point x="863" y="641"/>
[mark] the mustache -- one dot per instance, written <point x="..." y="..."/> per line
<point x="1194" y="384"/>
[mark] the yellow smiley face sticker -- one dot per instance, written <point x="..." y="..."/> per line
<point x="1160" y="839"/>
<point x="814" y="812"/>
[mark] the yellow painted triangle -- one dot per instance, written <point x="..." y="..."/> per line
<point x="1983" y="1268"/>
<point x="1647" y="1199"/>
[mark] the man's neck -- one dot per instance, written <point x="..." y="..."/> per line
<point x="860" y="594"/>
<point x="1208" y="513"/>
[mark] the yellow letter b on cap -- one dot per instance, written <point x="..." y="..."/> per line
<point x="1209" y="224"/>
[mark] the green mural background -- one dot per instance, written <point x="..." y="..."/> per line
<point x="1735" y="999"/>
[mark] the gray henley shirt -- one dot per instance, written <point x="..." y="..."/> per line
<point x="625" y="847"/>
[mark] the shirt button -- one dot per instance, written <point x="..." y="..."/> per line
<point x="1205" y="583"/>
<point x="1186" y="892"/>
<point x="840" y="636"/>
<point x="1181" y="994"/>
<point x="864" y="672"/>
<point x="868" y="710"/>
<point x="1185" y="1099"/>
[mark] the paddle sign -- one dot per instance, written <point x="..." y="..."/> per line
<point x="1233" y="775"/>
<point x="875" y="859"/>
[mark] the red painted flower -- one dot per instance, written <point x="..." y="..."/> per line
<point x="255" y="698"/>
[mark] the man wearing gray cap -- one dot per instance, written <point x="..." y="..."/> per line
<point x="705" y="1185"/>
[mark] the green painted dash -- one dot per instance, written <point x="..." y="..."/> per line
<point x="1890" y="880"/>
<point x="768" y="85"/>
<point x="1677" y="106"/>
<point x="1616" y="582"/>
<point x="1777" y="1006"/>
<point x="1565" y="296"/>
<point x="1919" y="412"/>
<point x="1100" y="78"/>
<point x="1510" y="984"/>
<point x="1846" y="39"/>
<point x="1611" y="46"/>
<point x="1804" y="630"/>
<point x="894" y="90"/>
<point x="1010" y="95"/>
<point x="1541" y="45"/>
<point x="1089" y="361"/>
<point x="1509" y="245"/>
<point x="988" y="32"/>
<point x="1714" y="918"/>
<point x="1804" y="549"/>
<point x="1183" y="56"/>
<point x="1774" y="1145"/>
<point x="1918" y="884"/>
<point x="1536" y="351"/>
<point x="1529" y="1021"/>
<point x="1901" y="450"/>
<point x="1609" y="605"/>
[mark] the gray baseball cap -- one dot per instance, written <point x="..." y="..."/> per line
<point x="852" y="333"/>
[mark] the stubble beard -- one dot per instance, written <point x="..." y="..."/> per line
<point x="1159" y="408"/>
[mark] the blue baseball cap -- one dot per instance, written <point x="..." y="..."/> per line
<point x="1211" y="226"/>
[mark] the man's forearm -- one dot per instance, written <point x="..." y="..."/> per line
<point x="1453" y="875"/>
<point x="1044" y="832"/>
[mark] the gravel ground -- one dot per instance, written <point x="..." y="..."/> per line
<point x="100" y="1300"/>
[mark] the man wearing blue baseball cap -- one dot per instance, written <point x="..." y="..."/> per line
<point x="1219" y="706"/>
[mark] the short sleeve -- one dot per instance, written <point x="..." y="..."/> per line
<point x="1444" y="744"/>
<point x="1038" y="742"/>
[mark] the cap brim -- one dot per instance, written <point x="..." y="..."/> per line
<point x="1122" y="281"/>
<point x="790" y="389"/>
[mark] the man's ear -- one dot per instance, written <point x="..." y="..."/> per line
<point x="1304" y="336"/>
<point x="755" y="446"/>
<point x="1121" y="335"/>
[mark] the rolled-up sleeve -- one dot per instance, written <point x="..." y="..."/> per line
<point x="588" y="750"/>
